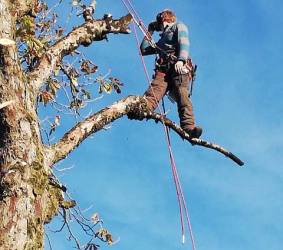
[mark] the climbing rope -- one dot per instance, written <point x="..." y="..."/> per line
<point x="180" y="196"/>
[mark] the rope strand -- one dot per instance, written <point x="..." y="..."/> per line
<point x="180" y="196"/>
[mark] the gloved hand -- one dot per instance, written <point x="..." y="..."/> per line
<point x="180" y="68"/>
<point x="152" y="27"/>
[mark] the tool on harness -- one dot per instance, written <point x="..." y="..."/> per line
<point x="165" y="61"/>
<point x="193" y="75"/>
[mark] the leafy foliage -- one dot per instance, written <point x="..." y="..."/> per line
<point x="107" y="85"/>
<point x="75" y="83"/>
<point x="70" y="89"/>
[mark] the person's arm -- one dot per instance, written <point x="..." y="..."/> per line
<point x="146" y="48"/>
<point x="183" y="42"/>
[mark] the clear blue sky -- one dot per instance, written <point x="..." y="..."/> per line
<point x="124" y="172"/>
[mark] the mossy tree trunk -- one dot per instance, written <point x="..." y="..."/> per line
<point x="27" y="199"/>
<point x="28" y="196"/>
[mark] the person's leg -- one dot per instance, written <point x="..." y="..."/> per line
<point x="181" y="84"/>
<point x="185" y="109"/>
<point x="156" y="90"/>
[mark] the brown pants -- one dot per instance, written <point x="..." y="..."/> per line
<point x="178" y="85"/>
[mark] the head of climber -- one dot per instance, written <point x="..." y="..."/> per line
<point x="164" y="18"/>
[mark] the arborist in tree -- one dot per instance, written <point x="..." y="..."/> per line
<point x="173" y="68"/>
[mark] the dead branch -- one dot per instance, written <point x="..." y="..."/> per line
<point x="92" y="227"/>
<point x="131" y="106"/>
<point x="93" y="30"/>
<point x="159" y="118"/>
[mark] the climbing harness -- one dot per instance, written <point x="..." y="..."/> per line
<point x="180" y="196"/>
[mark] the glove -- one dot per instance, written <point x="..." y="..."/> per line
<point x="180" y="68"/>
<point x="152" y="27"/>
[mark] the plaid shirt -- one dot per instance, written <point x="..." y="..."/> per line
<point x="174" y="39"/>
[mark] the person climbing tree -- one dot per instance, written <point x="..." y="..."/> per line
<point x="173" y="68"/>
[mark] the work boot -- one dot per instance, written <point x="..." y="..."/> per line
<point x="194" y="132"/>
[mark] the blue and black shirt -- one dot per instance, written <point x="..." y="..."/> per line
<point x="173" y="40"/>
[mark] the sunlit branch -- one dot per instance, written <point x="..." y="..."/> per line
<point x="127" y="106"/>
<point x="93" y="30"/>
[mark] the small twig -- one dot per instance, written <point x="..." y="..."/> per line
<point x="94" y="99"/>
<point x="52" y="8"/>
<point x="49" y="242"/>
<point x="86" y="209"/>
<point x="64" y="169"/>
<point x="71" y="235"/>
<point x="64" y="222"/>
<point x="86" y="228"/>
<point x="66" y="93"/>
<point x="47" y="136"/>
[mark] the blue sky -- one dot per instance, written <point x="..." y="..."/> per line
<point x="124" y="172"/>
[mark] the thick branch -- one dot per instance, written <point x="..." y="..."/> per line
<point x="92" y="124"/>
<point x="93" y="30"/>
<point x="128" y="106"/>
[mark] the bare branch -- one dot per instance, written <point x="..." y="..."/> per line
<point x="159" y="118"/>
<point x="126" y="106"/>
<point x="93" y="30"/>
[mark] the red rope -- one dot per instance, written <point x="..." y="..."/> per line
<point x="130" y="8"/>
<point x="179" y="191"/>
<point x="142" y="58"/>
<point x="137" y="20"/>
<point x="184" y="203"/>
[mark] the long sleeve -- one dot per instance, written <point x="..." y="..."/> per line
<point x="146" y="48"/>
<point x="183" y="42"/>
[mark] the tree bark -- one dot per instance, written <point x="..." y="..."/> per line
<point x="28" y="196"/>
<point x="27" y="200"/>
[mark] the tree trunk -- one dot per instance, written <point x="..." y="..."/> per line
<point x="27" y="199"/>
